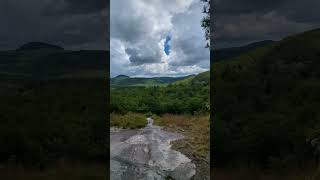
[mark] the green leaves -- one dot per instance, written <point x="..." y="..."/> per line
<point x="205" y="23"/>
<point x="178" y="98"/>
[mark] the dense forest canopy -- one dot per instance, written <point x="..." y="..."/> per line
<point x="52" y="105"/>
<point x="187" y="96"/>
<point x="267" y="98"/>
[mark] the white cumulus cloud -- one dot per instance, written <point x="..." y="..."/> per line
<point x="139" y="28"/>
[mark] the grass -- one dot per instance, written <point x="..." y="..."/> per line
<point x="128" y="121"/>
<point x="63" y="171"/>
<point x="196" y="130"/>
<point x="196" y="144"/>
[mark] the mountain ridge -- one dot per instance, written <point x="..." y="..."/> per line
<point x="125" y="81"/>
<point x="54" y="63"/>
<point x="38" y="46"/>
<point x="227" y="53"/>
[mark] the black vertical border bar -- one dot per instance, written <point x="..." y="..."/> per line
<point x="107" y="84"/>
<point x="211" y="89"/>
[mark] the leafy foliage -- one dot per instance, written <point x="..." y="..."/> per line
<point x="266" y="104"/>
<point x="41" y="123"/>
<point x="205" y="23"/>
<point x="50" y="108"/>
<point x="176" y="98"/>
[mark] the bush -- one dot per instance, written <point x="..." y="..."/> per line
<point x="128" y="121"/>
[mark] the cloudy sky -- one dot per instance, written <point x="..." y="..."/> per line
<point x="157" y="38"/>
<point x="238" y="22"/>
<point x="152" y="37"/>
<point x="73" y="24"/>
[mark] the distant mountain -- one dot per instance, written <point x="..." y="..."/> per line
<point x="121" y="77"/>
<point x="47" y="62"/>
<point x="124" y="81"/>
<point x="38" y="46"/>
<point x="199" y="79"/>
<point x="296" y="50"/>
<point x="226" y="53"/>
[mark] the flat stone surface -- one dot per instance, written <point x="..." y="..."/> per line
<point x="146" y="154"/>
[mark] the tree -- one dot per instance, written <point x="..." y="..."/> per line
<point x="205" y="22"/>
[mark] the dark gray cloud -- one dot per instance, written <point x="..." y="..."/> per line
<point x="72" y="24"/>
<point x="244" y="21"/>
<point x="139" y="57"/>
<point x="306" y="11"/>
<point x="231" y="7"/>
<point x="85" y="6"/>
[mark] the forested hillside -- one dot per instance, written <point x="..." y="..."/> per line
<point x="126" y="81"/>
<point x="181" y="97"/>
<point x="47" y="63"/>
<point x="228" y="53"/>
<point x="52" y="106"/>
<point x="266" y="105"/>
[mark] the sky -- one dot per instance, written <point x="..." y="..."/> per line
<point x="238" y="22"/>
<point x="72" y="24"/>
<point x="150" y="38"/>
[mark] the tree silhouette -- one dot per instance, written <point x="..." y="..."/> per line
<point x="205" y="22"/>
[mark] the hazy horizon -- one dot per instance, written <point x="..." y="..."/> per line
<point x="157" y="76"/>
